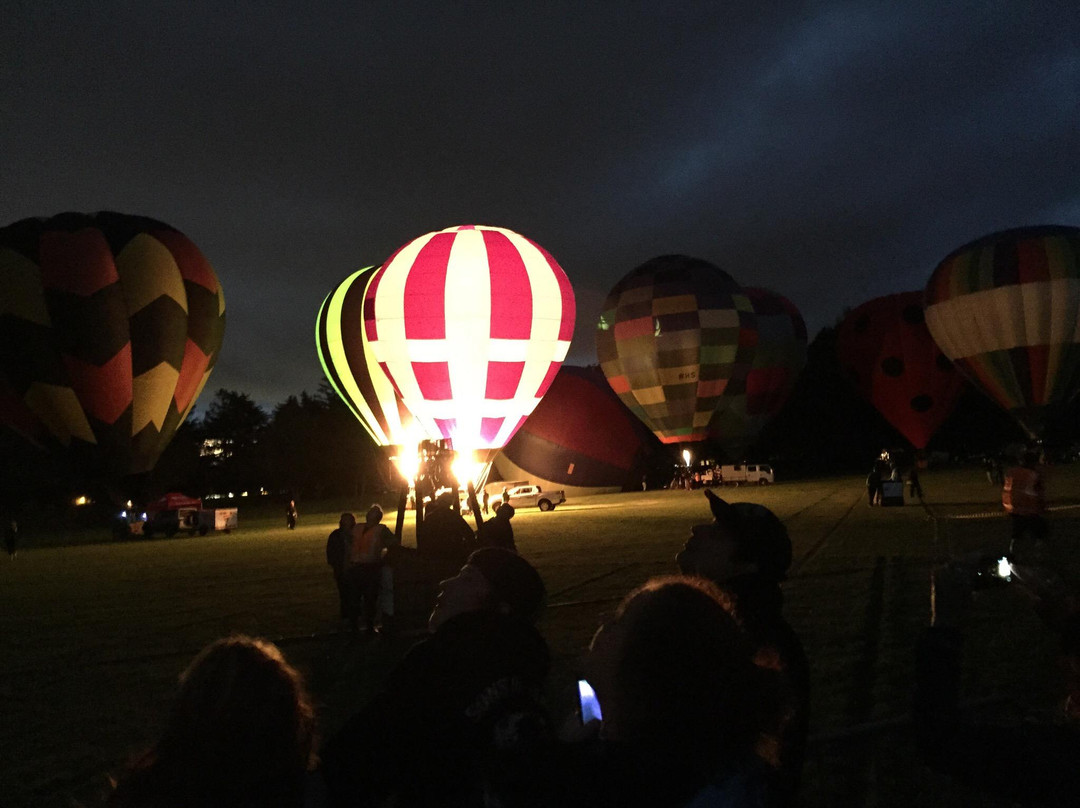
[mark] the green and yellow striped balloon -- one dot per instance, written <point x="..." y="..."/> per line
<point x="351" y="368"/>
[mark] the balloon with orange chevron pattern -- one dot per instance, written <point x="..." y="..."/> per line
<point x="110" y="325"/>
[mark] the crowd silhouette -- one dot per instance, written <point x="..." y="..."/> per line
<point x="703" y="690"/>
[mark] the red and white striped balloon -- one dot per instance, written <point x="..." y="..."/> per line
<point x="470" y="324"/>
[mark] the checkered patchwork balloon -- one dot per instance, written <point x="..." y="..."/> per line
<point x="778" y="359"/>
<point x="676" y="335"/>
<point x="109" y="327"/>
<point x="470" y="324"/>
<point x="352" y="370"/>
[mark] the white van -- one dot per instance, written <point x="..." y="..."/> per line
<point x="746" y="474"/>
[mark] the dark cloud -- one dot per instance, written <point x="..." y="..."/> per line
<point x="831" y="151"/>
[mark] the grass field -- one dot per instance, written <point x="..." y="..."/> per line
<point x="93" y="635"/>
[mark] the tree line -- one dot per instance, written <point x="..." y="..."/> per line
<point x="312" y="447"/>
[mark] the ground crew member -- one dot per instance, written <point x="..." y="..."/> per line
<point x="1024" y="498"/>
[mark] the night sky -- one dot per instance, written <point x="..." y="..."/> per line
<point x="830" y="151"/>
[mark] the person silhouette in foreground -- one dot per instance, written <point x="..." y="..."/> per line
<point x="746" y="552"/>
<point x="497" y="531"/>
<point x="1022" y="763"/>
<point x="242" y="732"/>
<point x="460" y="717"/>
<point x="680" y="698"/>
<point x="444" y="536"/>
<point x="337" y="555"/>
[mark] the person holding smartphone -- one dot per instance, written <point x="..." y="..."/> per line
<point x="677" y="705"/>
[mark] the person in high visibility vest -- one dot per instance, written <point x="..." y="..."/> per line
<point x="1024" y="498"/>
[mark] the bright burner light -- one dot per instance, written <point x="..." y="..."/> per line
<point x="466" y="469"/>
<point x="407" y="464"/>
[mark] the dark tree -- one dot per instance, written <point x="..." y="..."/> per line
<point x="231" y="431"/>
<point x="825" y="427"/>
<point x="180" y="467"/>
<point x="315" y="447"/>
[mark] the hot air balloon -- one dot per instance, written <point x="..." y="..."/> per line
<point x="675" y="335"/>
<point x="352" y="370"/>
<point x="109" y="327"/>
<point x="580" y="438"/>
<point x="470" y="324"/>
<point x="1006" y="310"/>
<point x="886" y="350"/>
<point x="778" y="359"/>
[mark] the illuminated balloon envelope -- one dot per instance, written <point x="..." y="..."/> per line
<point x="675" y="335"/>
<point x="579" y="438"/>
<point x="351" y="368"/>
<point x="778" y="359"/>
<point x="109" y="327"/>
<point x="886" y="350"/>
<point x="1006" y="310"/>
<point x="470" y="324"/>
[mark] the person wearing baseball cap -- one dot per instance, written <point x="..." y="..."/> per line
<point x="746" y="551"/>
<point x="461" y="714"/>
<point x="493" y="579"/>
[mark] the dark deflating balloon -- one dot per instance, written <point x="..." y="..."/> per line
<point x="579" y="436"/>
<point x="777" y="361"/>
<point x="1006" y="310"/>
<point x="676" y="335"/>
<point x="109" y="327"/>
<point x="886" y="350"/>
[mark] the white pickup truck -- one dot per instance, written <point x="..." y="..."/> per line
<point x="523" y="496"/>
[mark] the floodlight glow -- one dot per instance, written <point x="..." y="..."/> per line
<point x="686" y="457"/>
<point x="1004" y="567"/>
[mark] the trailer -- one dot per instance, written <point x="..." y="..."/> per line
<point x="175" y="513"/>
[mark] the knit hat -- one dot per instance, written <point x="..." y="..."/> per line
<point x="513" y="580"/>
<point x="760" y="535"/>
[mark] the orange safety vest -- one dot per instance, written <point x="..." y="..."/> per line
<point x="364" y="548"/>
<point x="1022" y="494"/>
